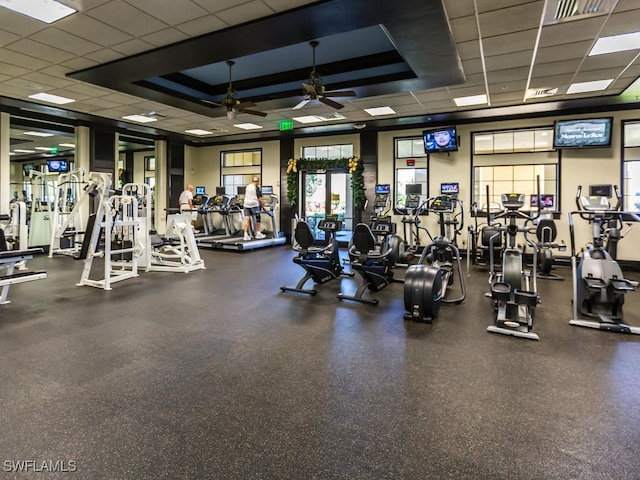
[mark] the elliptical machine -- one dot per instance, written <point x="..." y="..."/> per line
<point x="426" y="284"/>
<point x="599" y="285"/>
<point x="546" y="233"/>
<point x="513" y="290"/>
<point x="322" y="264"/>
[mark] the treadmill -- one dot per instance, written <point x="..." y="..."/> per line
<point x="274" y="237"/>
<point x="220" y="204"/>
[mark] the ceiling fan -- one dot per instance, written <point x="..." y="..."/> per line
<point x="232" y="103"/>
<point x="315" y="90"/>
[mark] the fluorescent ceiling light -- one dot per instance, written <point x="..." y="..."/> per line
<point x="47" y="97"/>
<point x="70" y="145"/>
<point x="307" y="119"/>
<point x="595" y="86"/>
<point x="44" y="149"/>
<point x="47" y="11"/>
<point x="471" y="100"/>
<point x="247" y="126"/>
<point x="140" y="118"/>
<point x="12" y="153"/>
<point x="17" y="150"/>
<point x="38" y="134"/>
<point x="199" y="131"/>
<point x="379" y="111"/>
<point x="319" y="118"/>
<point x="616" y="43"/>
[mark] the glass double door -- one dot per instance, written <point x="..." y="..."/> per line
<point x="328" y="193"/>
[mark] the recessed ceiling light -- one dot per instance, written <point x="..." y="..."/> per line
<point x="140" y="118"/>
<point x="380" y="111"/>
<point x="38" y="134"/>
<point x="594" y="86"/>
<point x="247" y="126"/>
<point x="17" y="150"/>
<point x="198" y="131"/>
<point x="70" y="145"/>
<point x="47" y="97"/>
<point x="47" y="11"/>
<point x="616" y="43"/>
<point x="471" y="100"/>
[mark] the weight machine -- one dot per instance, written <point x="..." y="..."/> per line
<point x="67" y="221"/>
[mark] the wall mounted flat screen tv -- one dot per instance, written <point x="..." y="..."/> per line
<point x="440" y="140"/>
<point x="221" y="190"/>
<point x="600" y="191"/>
<point x="267" y="190"/>
<point x="449" y="188"/>
<point x="584" y="133"/>
<point x="546" y="200"/>
<point x="383" y="189"/>
<point x="57" y="166"/>
<point x="200" y="190"/>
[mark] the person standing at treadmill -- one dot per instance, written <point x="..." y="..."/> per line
<point x="252" y="207"/>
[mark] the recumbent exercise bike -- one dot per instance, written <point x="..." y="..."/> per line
<point x="322" y="263"/>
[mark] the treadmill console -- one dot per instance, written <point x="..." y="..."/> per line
<point x="513" y="201"/>
<point x="330" y="224"/>
<point x="383" y="226"/>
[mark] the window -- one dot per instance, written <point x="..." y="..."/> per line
<point x="410" y="167"/>
<point x="330" y="152"/>
<point x="511" y="161"/>
<point x="631" y="166"/>
<point x="239" y="167"/>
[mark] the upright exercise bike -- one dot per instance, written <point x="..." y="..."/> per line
<point x="513" y="289"/>
<point x="599" y="286"/>
<point x="546" y="233"/>
<point x="426" y="284"/>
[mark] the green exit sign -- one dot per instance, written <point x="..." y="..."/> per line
<point x="286" y="125"/>
<point x="53" y="150"/>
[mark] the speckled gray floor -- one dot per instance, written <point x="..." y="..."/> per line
<point x="218" y="375"/>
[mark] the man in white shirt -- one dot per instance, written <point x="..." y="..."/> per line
<point x="252" y="207"/>
<point x="186" y="204"/>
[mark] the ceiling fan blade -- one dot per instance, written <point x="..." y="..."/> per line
<point x="252" y="112"/>
<point x="331" y="103"/>
<point x="344" y="93"/>
<point x="301" y="104"/>
<point x="210" y="102"/>
<point x="247" y="104"/>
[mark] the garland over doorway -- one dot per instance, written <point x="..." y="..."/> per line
<point x="352" y="164"/>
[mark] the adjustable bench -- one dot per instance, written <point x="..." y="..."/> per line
<point x="8" y="262"/>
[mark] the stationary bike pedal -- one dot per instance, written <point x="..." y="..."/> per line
<point x="501" y="291"/>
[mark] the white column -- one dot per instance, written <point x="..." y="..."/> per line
<point x="5" y="163"/>
<point x="162" y="186"/>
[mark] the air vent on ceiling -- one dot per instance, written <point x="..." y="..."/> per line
<point x="567" y="10"/>
<point x="541" y="92"/>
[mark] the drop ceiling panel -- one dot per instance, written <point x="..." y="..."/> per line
<point x="26" y="46"/>
<point x="95" y="31"/>
<point x="201" y="26"/>
<point x="165" y="37"/>
<point x="613" y="60"/>
<point x="509" y="43"/>
<point x="101" y="56"/>
<point x="510" y="19"/>
<point x="19" y="59"/>
<point x="570" y="32"/>
<point x="132" y="47"/>
<point x="622" y="22"/>
<point x="172" y="12"/>
<point x="244" y="13"/>
<point x="56" y="38"/>
<point x="556" y="68"/>
<point x="122" y="16"/>
<point x="464" y="29"/>
<point x="459" y="8"/>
